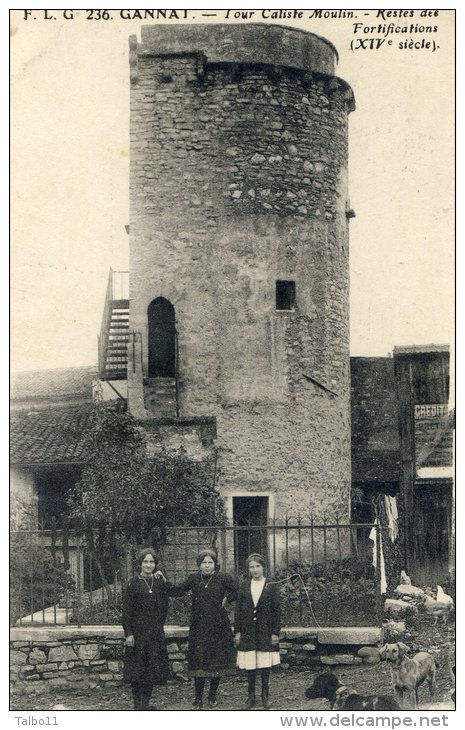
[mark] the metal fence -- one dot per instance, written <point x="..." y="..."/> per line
<point x="328" y="573"/>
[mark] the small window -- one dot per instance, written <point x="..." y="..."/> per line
<point x="285" y="295"/>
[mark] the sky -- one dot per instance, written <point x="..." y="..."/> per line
<point x="69" y="141"/>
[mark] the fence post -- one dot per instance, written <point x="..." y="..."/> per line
<point x="79" y="581"/>
<point x="223" y="548"/>
<point x="176" y="370"/>
<point x="312" y="543"/>
<point x="31" y="578"/>
<point x="378" y="573"/>
<point x="353" y="542"/>
<point x="91" y="584"/>
<point x="339" y="555"/>
<point x="325" y="574"/>
<point x="299" y="539"/>
<point x="186" y="550"/>
<point x="338" y="535"/>
<point x="65" y="545"/>
<point x="53" y="546"/>
<point x="286" y="522"/>
<point x="20" y="591"/>
<point x="41" y="552"/>
<point x="274" y="544"/>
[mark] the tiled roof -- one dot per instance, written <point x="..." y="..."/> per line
<point x="55" y="435"/>
<point x="375" y="435"/>
<point x="57" y="383"/>
<point x="419" y="349"/>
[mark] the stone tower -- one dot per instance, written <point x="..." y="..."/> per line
<point x="239" y="257"/>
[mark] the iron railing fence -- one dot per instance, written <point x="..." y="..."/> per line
<point x="329" y="573"/>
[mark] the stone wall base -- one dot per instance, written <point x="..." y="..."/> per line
<point x="92" y="656"/>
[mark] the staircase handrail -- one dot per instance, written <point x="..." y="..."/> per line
<point x="136" y="339"/>
<point x="105" y="325"/>
<point x="103" y="338"/>
<point x="176" y="370"/>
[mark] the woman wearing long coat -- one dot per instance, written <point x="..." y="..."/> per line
<point x="211" y="653"/>
<point x="145" y="605"/>
<point x="257" y="627"/>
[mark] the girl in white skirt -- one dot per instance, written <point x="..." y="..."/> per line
<point x="257" y="627"/>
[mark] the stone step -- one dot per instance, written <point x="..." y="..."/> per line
<point x="50" y="616"/>
<point x="160" y="409"/>
<point x="160" y="397"/>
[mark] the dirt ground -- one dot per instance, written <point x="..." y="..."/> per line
<point x="286" y="687"/>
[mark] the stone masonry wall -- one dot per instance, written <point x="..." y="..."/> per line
<point x="239" y="178"/>
<point x="245" y="42"/>
<point x="87" y="657"/>
<point x="92" y="656"/>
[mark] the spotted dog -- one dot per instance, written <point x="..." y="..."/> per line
<point x="342" y="698"/>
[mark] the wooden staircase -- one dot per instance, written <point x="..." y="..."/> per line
<point x="114" y="332"/>
<point x="116" y="354"/>
<point x="156" y="397"/>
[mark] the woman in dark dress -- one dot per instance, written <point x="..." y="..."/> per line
<point x="257" y="627"/>
<point x="211" y="652"/>
<point x="145" y="604"/>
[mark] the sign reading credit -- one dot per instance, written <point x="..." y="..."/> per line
<point x="431" y="412"/>
<point x="433" y="435"/>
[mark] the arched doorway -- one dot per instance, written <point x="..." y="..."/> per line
<point x="162" y="339"/>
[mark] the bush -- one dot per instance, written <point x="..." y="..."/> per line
<point x="110" y="613"/>
<point x="98" y="612"/>
<point x="125" y="487"/>
<point x="37" y="580"/>
<point x="341" y="592"/>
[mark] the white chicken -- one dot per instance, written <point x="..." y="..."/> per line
<point x="442" y="605"/>
<point x="405" y="579"/>
<point x="443" y="597"/>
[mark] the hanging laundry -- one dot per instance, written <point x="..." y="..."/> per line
<point x="390" y="505"/>
<point x="373" y="537"/>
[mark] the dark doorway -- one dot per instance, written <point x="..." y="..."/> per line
<point x="249" y="513"/>
<point x="162" y="339"/>
<point x="53" y="485"/>
<point x="432" y="533"/>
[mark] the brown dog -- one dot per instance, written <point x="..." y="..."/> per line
<point x="408" y="674"/>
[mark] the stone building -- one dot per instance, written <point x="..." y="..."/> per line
<point x="402" y="449"/>
<point x="229" y="336"/>
<point x="237" y="322"/>
<point x="49" y="414"/>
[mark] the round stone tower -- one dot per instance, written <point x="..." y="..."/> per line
<point x="239" y="259"/>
